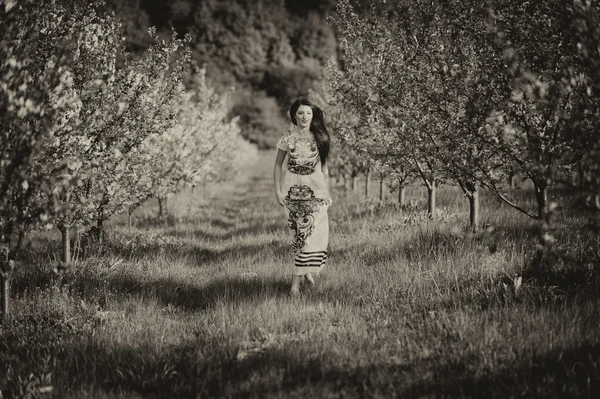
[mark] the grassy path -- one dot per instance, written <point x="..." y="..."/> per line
<point x="198" y="306"/>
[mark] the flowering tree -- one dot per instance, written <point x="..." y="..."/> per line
<point x="95" y="113"/>
<point x="150" y="91"/>
<point x="33" y="75"/>
<point x="202" y="146"/>
<point x="115" y="109"/>
<point x="236" y="157"/>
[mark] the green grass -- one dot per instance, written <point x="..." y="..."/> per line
<point x="198" y="305"/>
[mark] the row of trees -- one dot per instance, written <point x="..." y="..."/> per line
<point x="470" y="94"/>
<point x="88" y="131"/>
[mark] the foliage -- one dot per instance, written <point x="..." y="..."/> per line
<point x="581" y="23"/>
<point x="106" y="131"/>
<point x="202" y="147"/>
<point x="35" y="87"/>
<point x="462" y="104"/>
<point x="536" y="118"/>
<point x="271" y="49"/>
<point x="379" y="84"/>
<point x="259" y="116"/>
<point x="344" y="160"/>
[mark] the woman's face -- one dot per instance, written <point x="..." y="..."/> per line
<point x="303" y="116"/>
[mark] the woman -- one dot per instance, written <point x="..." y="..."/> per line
<point x="304" y="190"/>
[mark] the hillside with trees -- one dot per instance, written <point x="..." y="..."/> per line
<point x="271" y="51"/>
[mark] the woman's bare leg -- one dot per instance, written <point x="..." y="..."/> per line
<point x="295" y="284"/>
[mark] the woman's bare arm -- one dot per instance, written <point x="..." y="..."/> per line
<point x="277" y="170"/>
<point x="325" y="170"/>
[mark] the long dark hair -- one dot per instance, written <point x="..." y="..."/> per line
<point x="317" y="126"/>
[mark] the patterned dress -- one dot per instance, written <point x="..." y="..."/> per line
<point x="305" y="191"/>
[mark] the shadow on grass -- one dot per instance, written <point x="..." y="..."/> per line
<point x="203" y="233"/>
<point x="90" y="274"/>
<point x="188" y="371"/>
<point x="170" y="221"/>
<point x="570" y="372"/>
<point x="196" y="297"/>
<point x="568" y="276"/>
<point x="423" y="248"/>
<point x="204" y="253"/>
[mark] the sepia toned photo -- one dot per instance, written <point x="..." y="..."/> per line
<point x="299" y="199"/>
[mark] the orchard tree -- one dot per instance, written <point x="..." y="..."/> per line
<point x="99" y="112"/>
<point x="586" y="29"/>
<point x="400" y="175"/>
<point x="117" y="109"/>
<point x="349" y="163"/>
<point x="345" y="161"/>
<point x="378" y="83"/>
<point x="34" y="73"/>
<point x="92" y="41"/>
<point x="459" y="85"/>
<point x="535" y="122"/>
<point x="148" y="91"/>
<point x="584" y="78"/>
<point x="202" y="146"/>
<point x="432" y="70"/>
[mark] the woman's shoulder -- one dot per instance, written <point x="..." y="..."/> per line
<point x="288" y="133"/>
<point x="285" y="139"/>
<point x="290" y="130"/>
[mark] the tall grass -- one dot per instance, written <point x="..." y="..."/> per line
<point x="197" y="305"/>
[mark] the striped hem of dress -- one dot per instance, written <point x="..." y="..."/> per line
<point x="309" y="262"/>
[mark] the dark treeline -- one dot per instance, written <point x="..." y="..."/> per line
<point x="271" y="51"/>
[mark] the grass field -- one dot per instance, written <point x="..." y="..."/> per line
<point x="197" y="305"/>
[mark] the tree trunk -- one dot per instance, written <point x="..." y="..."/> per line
<point x="367" y="180"/>
<point x="100" y="226"/>
<point x="65" y="231"/>
<point x="381" y="190"/>
<point x="347" y="184"/>
<point x="100" y="229"/>
<point x="473" y="197"/>
<point x="76" y="244"/>
<point x="541" y="195"/>
<point x="129" y="218"/>
<point x="160" y="208"/>
<point x="353" y="183"/>
<point x="402" y="195"/>
<point x="5" y="297"/>
<point x="4" y="283"/>
<point x="17" y="246"/>
<point x="431" y="191"/>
